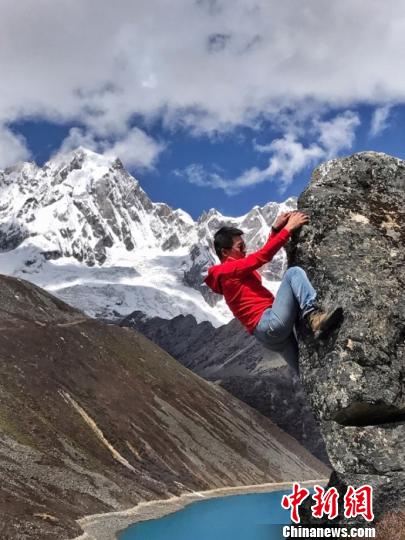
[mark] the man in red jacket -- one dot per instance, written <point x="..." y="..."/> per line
<point x="271" y="320"/>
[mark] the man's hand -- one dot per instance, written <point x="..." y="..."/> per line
<point x="296" y="220"/>
<point x="281" y="221"/>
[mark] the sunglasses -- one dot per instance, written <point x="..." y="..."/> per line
<point x="240" y="247"/>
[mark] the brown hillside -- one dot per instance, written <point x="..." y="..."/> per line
<point x="95" y="418"/>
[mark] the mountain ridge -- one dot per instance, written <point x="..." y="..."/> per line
<point x="235" y="360"/>
<point x="82" y="227"/>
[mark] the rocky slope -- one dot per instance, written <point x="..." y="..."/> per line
<point x="353" y="252"/>
<point x="229" y="356"/>
<point x="82" y="227"/>
<point x="95" y="418"/>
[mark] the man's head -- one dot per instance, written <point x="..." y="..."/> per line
<point x="228" y="242"/>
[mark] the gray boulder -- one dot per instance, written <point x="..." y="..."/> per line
<point x="353" y="252"/>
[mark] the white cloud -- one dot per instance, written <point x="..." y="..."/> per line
<point x="205" y="64"/>
<point x="288" y="156"/>
<point x="379" y="121"/>
<point x="339" y="133"/>
<point x="135" y="148"/>
<point x="77" y="137"/>
<point x="197" y="175"/>
<point x="12" y="148"/>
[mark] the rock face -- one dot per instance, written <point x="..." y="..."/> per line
<point x="232" y="358"/>
<point x="353" y="251"/>
<point x="96" y="418"/>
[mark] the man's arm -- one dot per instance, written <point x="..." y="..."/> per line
<point x="280" y="223"/>
<point x="242" y="267"/>
<point x="274" y="231"/>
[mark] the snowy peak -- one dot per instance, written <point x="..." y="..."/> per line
<point x="80" y="204"/>
<point x="82" y="227"/>
<point x="255" y="224"/>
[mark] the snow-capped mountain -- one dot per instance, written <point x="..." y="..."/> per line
<point x="82" y="227"/>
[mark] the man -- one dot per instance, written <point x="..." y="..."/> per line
<point x="271" y="320"/>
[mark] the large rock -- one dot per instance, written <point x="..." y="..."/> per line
<point x="353" y="252"/>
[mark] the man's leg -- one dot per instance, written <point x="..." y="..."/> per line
<point x="295" y="297"/>
<point x="296" y="286"/>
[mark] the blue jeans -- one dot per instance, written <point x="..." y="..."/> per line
<point x="275" y="330"/>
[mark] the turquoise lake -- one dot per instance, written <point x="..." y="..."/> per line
<point x="255" y="516"/>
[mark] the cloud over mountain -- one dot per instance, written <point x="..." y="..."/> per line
<point x="204" y="64"/>
<point x="127" y="81"/>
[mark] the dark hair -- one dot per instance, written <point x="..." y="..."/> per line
<point x="223" y="239"/>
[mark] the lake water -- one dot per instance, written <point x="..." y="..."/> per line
<point x="238" y="517"/>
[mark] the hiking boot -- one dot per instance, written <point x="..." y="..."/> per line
<point x="320" y="322"/>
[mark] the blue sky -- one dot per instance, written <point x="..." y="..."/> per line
<point x="211" y="103"/>
<point x="231" y="153"/>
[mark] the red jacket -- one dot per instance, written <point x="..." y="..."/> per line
<point x="241" y="285"/>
